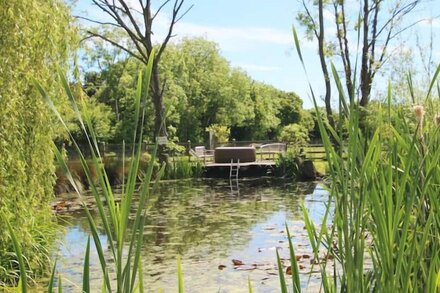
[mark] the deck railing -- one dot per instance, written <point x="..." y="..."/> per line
<point x="311" y="151"/>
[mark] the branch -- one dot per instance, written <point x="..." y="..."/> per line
<point x="183" y="14"/>
<point x="344" y="49"/>
<point x="86" y="38"/>
<point x="174" y="19"/>
<point x="113" y="11"/>
<point x="398" y="13"/>
<point x="95" y="21"/>
<point x="163" y="86"/>
<point x="311" y="19"/>
<point x="159" y="9"/>
<point x="130" y="16"/>
<point x="141" y="3"/>
<point x="374" y="35"/>
<point x="93" y="34"/>
<point x="408" y="27"/>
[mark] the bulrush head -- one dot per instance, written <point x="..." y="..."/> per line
<point x="437" y="119"/>
<point x="419" y="111"/>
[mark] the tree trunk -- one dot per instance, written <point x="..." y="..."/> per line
<point x="159" y="110"/>
<point x="365" y="76"/>
<point x="327" y="99"/>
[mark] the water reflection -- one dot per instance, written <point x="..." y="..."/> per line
<point x="209" y="226"/>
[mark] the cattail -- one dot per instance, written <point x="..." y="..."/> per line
<point x="437" y="119"/>
<point x="419" y="111"/>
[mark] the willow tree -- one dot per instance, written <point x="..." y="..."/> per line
<point x="35" y="36"/>
<point x="137" y="22"/>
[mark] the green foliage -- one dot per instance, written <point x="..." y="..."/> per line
<point x="36" y="36"/>
<point x="387" y="185"/>
<point x="307" y="121"/>
<point x="114" y="87"/>
<point x="221" y="133"/>
<point x="182" y="168"/>
<point x="294" y="134"/>
<point x="124" y="244"/>
<point x="202" y="89"/>
<point x="384" y="190"/>
<point x="287" y="164"/>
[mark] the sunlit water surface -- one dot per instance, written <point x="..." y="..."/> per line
<point x="209" y="225"/>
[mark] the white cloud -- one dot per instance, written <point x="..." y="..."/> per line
<point x="229" y="38"/>
<point x="253" y="34"/>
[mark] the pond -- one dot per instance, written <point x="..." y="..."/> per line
<point x="209" y="225"/>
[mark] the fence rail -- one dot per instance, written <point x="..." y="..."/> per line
<point x="311" y="151"/>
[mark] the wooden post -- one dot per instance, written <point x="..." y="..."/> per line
<point x="188" y="150"/>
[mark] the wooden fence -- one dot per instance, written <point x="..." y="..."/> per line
<point x="311" y="151"/>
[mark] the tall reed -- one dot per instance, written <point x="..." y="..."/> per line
<point x="385" y="232"/>
<point x="124" y="232"/>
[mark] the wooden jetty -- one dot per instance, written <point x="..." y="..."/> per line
<point x="238" y="169"/>
<point x="257" y="163"/>
<point x="235" y="160"/>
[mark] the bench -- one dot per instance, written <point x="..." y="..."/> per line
<point x="201" y="152"/>
<point x="272" y="149"/>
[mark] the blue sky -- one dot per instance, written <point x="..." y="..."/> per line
<point x="257" y="36"/>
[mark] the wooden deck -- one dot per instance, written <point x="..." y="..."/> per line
<point x="259" y="163"/>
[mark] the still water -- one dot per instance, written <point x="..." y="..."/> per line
<point x="209" y="224"/>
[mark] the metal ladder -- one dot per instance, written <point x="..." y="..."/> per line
<point x="235" y="167"/>
<point x="233" y="173"/>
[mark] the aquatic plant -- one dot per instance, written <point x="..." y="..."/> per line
<point x="385" y="229"/>
<point x="125" y="233"/>
<point x="287" y="164"/>
<point x="182" y="168"/>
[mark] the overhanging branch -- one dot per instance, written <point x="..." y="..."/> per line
<point x="93" y="34"/>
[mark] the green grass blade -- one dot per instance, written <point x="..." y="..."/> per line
<point x="60" y="284"/>
<point x="298" y="47"/>
<point x="433" y="82"/>
<point x="179" y="274"/>
<point x="86" y="270"/>
<point x="99" y="248"/>
<point x="294" y="264"/>
<point x="141" y="276"/>
<point x="20" y="259"/>
<point x="340" y="89"/>
<point x="250" y="285"/>
<point x="52" y="278"/>
<point x="281" y="277"/>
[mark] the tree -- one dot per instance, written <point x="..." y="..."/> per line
<point x="202" y="89"/>
<point x="376" y="26"/>
<point x="140" y="33"/>
<point x="295" y="134"/>
<point x="36" y="37"/>
<point x="290" y="108"/>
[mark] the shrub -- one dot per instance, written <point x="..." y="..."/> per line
<point x="287" y="164"/>
<point x="220" y="132"/>
<point x="294" y="134"/>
